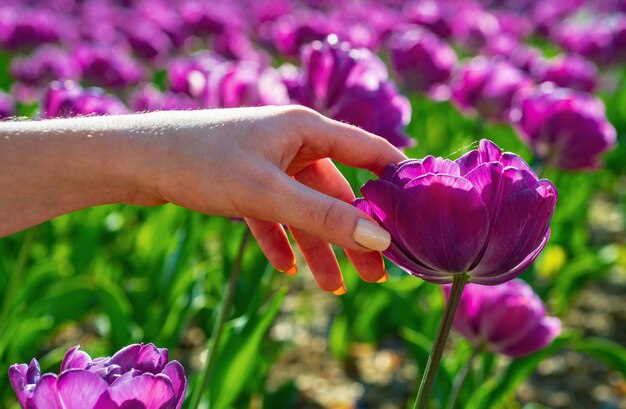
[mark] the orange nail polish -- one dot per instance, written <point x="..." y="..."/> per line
<point x="341" y="290"/>
<point x="383" y="278"/>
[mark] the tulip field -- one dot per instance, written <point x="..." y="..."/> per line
<point x="507" y="223"/>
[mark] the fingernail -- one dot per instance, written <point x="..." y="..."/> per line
<point x="341" y="290"/>
<point x="292" y="271"/>
<point x="383" y="278"/>
<point x="371" y="236"/>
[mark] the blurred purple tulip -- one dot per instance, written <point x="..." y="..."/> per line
<point x="67" y="98"/>
<point x="167" y="18"/>
<point x="522" y="56"/>
<point x="47" y="63"/>
<point x="352" y="85"/>
<point x="246" y="83"/>
<point x="589" y="36"/>
<point x="571" y="71"/>
<point x="138" y="376"/>
<point x="548" y="14"/>
<point x="147" y="40"/>
<point x="422" y="61"/>
<point x="293" y="31"/>
<point x="212" y="17"/>
<point x="149" y="98"/>
<point x="488" y="86"/>
<point x="191" y="74"/>
<point x="430" y="14"/>
<point x="485" y="215"/>
<point x="7" y="106"/>
<point x="514" y="24"/>
<point x="509" y="319"/>
<point x="107" y="66"/>
<point x="566" y="129"/>
<point x="23" y="27"/>
<point x="473" y="27"/>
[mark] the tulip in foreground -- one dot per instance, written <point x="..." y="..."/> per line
<point x="482" y="219"/>
<point x="485" y="215"/>
<point x="138" y="376"/>
<point x="509" y="319"/>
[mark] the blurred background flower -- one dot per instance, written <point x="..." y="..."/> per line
<point x="508" y="318"/>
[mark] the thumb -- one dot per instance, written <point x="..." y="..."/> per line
<point x="292" y="203"/>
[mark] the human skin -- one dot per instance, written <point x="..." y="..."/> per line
<point x="269" y="165"/>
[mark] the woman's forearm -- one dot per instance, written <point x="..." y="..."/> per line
<point x="49" y="168"/>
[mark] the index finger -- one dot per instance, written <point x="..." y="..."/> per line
<point x="350" y="145"/>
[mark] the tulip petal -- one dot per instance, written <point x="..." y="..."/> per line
<point x="45" y="394"/>
<point x="494" y="183"/>
<point x="519" y="228"/>
<point x="541" y="336"/>
<point x="382" y="199"/>
<point x="175" y="371"/>
<point x="153" y="391"/>
<point x="489" y="151"/>
<point x="411" y="169"/>
<point x="17" y="377"/>
<point x="508" y="275"/>
<point x="512" y="160"/>
<point x="79" y="389"/>
<point x="442" y="222"/>
<point x="75" y="359"/>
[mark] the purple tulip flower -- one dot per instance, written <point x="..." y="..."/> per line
<point x="108" y="66"/>
<point x="137" y="376"/>
<point x="572" y="71"/>
<point x="430" y="14"/>
<point x="590" y="37"/>
<point x="47" y="63"/>
<point x="245" y="83"/>
<point x="565" y="128"/>
<point x="522" y="56"/>
<point x="191" y="75"/>
<point x="509" y="319"/>
<point x="7" y="106"/>
<point x="422" y="61"/>
<point x="66" y="99"/>
<point x="488" y="87"/>
<point x="485" y="215"/>
<point x="149" y="98"/>
<point x="22" y="27"/>
<point x="147" y="40"/>
<point x="473" y="27"/>
<point x="352" y="85"/>
<point x="293" y="31"/>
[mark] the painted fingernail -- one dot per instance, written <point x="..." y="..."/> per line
<point x="341" y="290"/>
<point x="383" y="278"/>
<point x="371" y="236"/>
<point x="292" y="271"/>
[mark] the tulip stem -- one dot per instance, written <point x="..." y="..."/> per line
<point x="428" y="379"/>
<point x="460" y="380"/>
<point x="223" y="313"/>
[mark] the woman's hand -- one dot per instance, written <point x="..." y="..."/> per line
<point x="269" y="165"/>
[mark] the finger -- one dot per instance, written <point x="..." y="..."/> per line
<point x="274" y="243"/>
<point x="269" y="194"/>
<point x="326" y="178"/>
<point x="349" y="145"/>
<point x="320" y="258"/>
